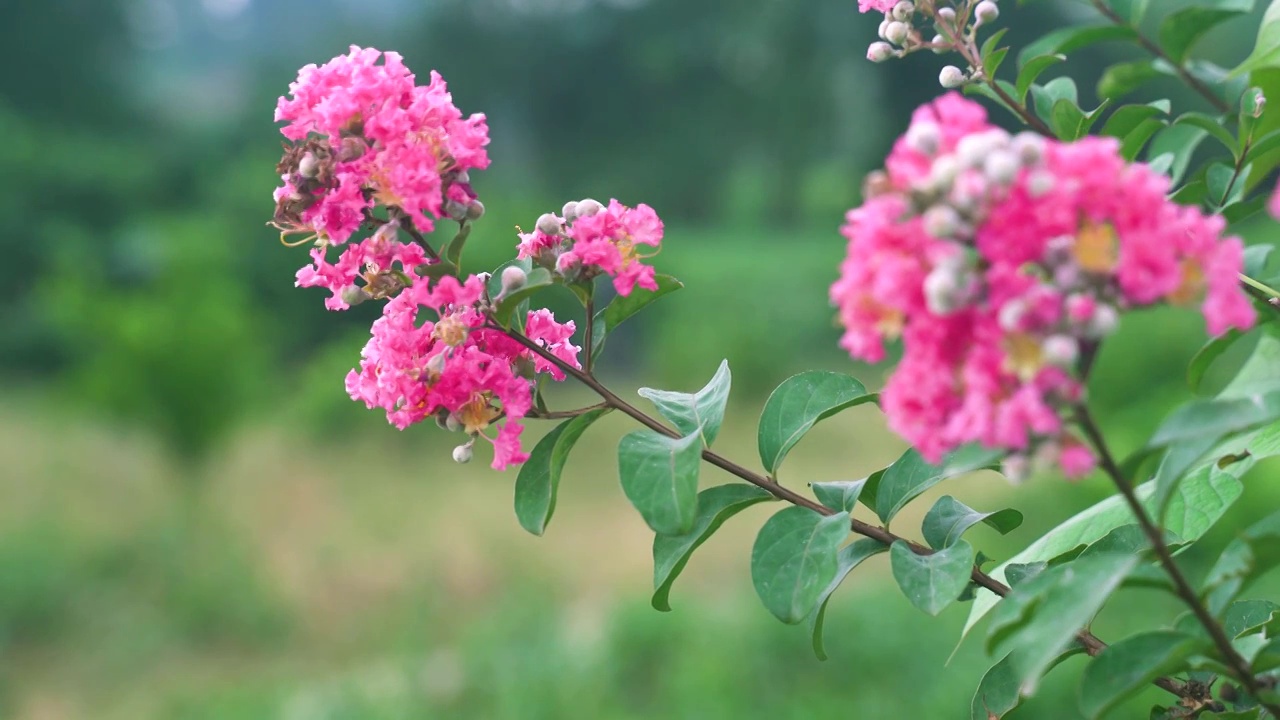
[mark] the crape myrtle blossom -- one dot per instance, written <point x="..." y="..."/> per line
<point x="1001" y="261"/>
<point x="454" y="368"/>
<point x="589" y="239"/>
<point x="364" y="134"/>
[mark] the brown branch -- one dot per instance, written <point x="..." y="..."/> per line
<point x="565" y="414"/>
<point x="1239" y="666"/>
<point x="1092" y="644"/>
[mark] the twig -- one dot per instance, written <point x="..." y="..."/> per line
<point x="1239" y="666"/>
<point x="590" y="306"/>
<point x="1093" y="645"/>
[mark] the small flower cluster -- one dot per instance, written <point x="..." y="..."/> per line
<point x="1002" y="261"/>
<point x="955" y="25"/>
<point x="364" y="134"/>
<point x="588" y="239"/>
<point x="456" y="369"/>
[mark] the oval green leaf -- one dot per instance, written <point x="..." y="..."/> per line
<point x="672" y="552"/>
<point x="839" y="495"/>
<point x="623" y="307"/>
<point x="702" y="410"/>
<point x="795" y="559"/>
<point x="1129" y="665"/>
<point x="659" y="476"/>
<point x="910" y="475"/>
<point x="798" y="404"/>
<point x="850" y="557"/>
<point x="949" y="518"/>
<point x="932" y="582"/>
<point x="539" y="478"/>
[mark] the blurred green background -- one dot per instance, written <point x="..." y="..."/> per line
<point x="195" y="522"/>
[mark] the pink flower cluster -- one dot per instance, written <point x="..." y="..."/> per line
<point x="365" y="135"/>
<point x="454" y="368"/>
<point x="589" y="239"/>
<point x="1001" y="261"/>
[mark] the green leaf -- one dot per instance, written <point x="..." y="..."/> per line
<point x="660" y="477"/>
<point x="1129" y="665"/>
<point x="539" y="478"/>
<point x="932" y="582"/>
<point x="1038" y="620"/>
<point x="798" y="404"/>
<point x="1069" y="39"/>
<point x="1032" y="70"/>
<point x="1128" y="118"/>
<point x="1216" y="417"/>
<point x="1247" y="615"/>
<point x="839" y="495"/>
<point x="1171" y="149"/>
<point x="850" y="557"/>
<point x="991" y="61"/>
<point x="998" y="693"/>
<point x="910" y="475"/>
<point x="1246" y="558"/>
<point x="623" y="307"/>
<point x="1124" y="78"/>
<point x="949" y="518"/>
<point x="1206" y="355"/>
<point x="1210" y="125"/>
<point x="1266" y="50"/>
<point x="701" y="410"/>
<point x="672" y="552"/>
<point x="453" y="251"/>
<point x="1178" y="459"/>
<point x="1255" y="259"/>
<point x="795" y="559"/>
<point x="538" y="280"/>
<point x="1048" y="95"/>
<point x="1180" y="30"/>
<point x="1130" y="10"/>
<point x="1067" y="120"/>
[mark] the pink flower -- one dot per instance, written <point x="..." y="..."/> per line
<point x="999" y="261"/>
<point x="1273" y="205"/>
<point x="600" y="240"/>
<point x="542" y="328"/>
<point x="877" y="5"/>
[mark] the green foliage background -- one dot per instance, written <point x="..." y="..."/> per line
<point x="195" y="522"/>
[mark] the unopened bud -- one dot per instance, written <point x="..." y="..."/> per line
<point x="354" y="295"/>
<point x="946" y="17"/>
<point x="1060" y="350"/>
<point x="924" y="137"/>
<point x="462" y="176"/>
<point x="441" y="416"/>
<point x="570" y="211"/>
<point x="1104" y="321"/>
<point x="876" y="183"/>
<point x="1040" y="183"/>
<point x="986" y="12"/>
<point x="475" y="210"/>
<point x="941" y="221"/>
<point x="513" y="278"/>
<point x="896" y="32"/>
<point x="435" y="365"/>
<point x="352" y="148"/>
<point x="1029" y="147"/>
<point x="309" y="166"/>
<point x="452" y="423"/>
<point x="883" y="31"/>
<point x="1255" y="102"/>
<point x="588" y="207"/>
<point x="549" y="224"/>
<point x="880" y="51"/>
<point x="903" y="11"/>
<point x="939" y="45"/>
<point x="1001" y="167"/>
<point x="943" y="173"/>
<point x="1011" y="314"/>
<point x="455" y="210"/>
<point x="951" y="77"/>
<point x="462" y="454"/>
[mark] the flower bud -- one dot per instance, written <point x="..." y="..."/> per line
<point x="309" y="166"/>
<point x="943" y="173"/>
<point x="1067" y="276"/>
<point x="549" y="224"/>
<point x="513" y="278"/>
<point x="882" y="31"/>
<point x="986" y="12"/>
<point x="946" y="17"/>
<point x="941" y="221"/>
<point x="435" y="365"/>
<point x="452" y="423"/>
<point x="939" y="45"/>
<point x="441" y="417"/>
<point x="1029" y="147"/>
<point x="876" y="183"/>
<point x="1080" y="307"/>
<point x="1255" y="102"/>
<point x="352" y="148"/>
<point x="879" y="52"/>
<point x="354" y="295"/>
<point x="462" y="454"/>
<point x="1060" y="350"/>
<point x="924" y="137"/>
<point x="475" y="210"/>
<point x="570" y="211"/>
<point x="896" y="32"/>
<point x="1104" y="321"/>
<point x="903" y="11"/>
<point x="1040" y="183"/>
<point x="462" y="176"/>
<point x="940" y="289"/>
<point x="951" y="77"/>
<point x="454" y="210"/>
<point x="588" y="207"/>
<point x="1001" y="167"/>
<point x="1011" y="314"/>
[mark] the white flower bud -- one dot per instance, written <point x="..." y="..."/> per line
<point x="309" y="166"/>
<point x="455" y="210"/>
<point x="570" y="211"/>
<point x="1060" y="350"/>
<point x="951" y="77"/>
<point x="896" y="32"/>
<point x="1001" y="167"/>
<point x="1066" y="276"/>
<point x="1104" y="321"/>
<point x="513" y="278"/>
<point x="588" y="207"/>
<point x="943" y="173"/>
<point x="1010" y="316"/>
<point x="1029" y="147"/>
<point x="924" y="137"/>
<point x="436" y="366"/>
<point x="475" y="210"/>
<point x="1040" y="183"/>
<point x="462" y="176"/>
<point x="946" y="16"/>
<point x="883" y="31"/>
<point x="354" y="295"/>
<point x="948" y="287"/>
<point x="986" y="12"/>
<point x="880" y="51"/>
<point x="462" y="454"/>
<point x="549" y="224"/>
<point x="452" y="423"/>
<point x="941" y="221"/>
<point x="939" y="45"/>
<point x="903" y="11"/>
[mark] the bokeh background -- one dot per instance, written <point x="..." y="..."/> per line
<point x="196" y="523"/>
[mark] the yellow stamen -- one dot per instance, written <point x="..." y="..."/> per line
<point x="1193" y="284"/>
<point x="1097" y="249"/>
<point x="1023" y="355"/>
